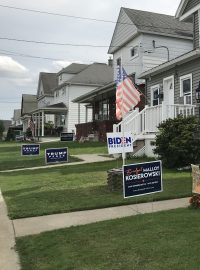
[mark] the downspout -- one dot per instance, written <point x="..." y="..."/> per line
<point x="158" y="47"/>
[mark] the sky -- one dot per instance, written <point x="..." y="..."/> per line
<point x="19" y="74"/>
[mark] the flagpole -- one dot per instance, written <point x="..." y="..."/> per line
<point x="123" y="150"/>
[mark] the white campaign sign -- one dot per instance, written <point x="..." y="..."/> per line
<point x="119" y="143"/>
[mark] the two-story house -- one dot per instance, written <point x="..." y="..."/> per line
<point x="171" y="86"/>
<point x="141" y="40"/>
<point x="56" y="92"/>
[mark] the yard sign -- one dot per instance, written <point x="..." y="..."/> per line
<point x="142" y="178"/>
<point x="118" y="142"/>
<point x="30" y="149"/>
<point x="56" y="155"/>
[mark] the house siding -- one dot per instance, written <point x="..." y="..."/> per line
<point x="191" y="67"/>
<point x="124" y="30"/>
<point x="190" y="5"/>
<point x="196" y="30"/>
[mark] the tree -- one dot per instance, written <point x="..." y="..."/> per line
<point x="2" y="128"/>
<point x="176" y="144"/>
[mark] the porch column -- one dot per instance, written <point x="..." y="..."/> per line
<point x="39" y="124"/>
<point x="42" y="123"/>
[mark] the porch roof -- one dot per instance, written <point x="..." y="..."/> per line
<point x="54" y="108"/>
<point x="170" y="64"/>
<point x="94" y="93"/>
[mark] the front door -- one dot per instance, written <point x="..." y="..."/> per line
<point x="168" y="95"/>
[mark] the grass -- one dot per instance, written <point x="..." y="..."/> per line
<point x="11" y="158"/>
<point x="74" y="188"/>
<point x="159" y="241"/>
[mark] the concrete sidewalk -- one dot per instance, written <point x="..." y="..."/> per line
<point x="86" y="158"/>
<point x="8" y="257"/>
<point x="35" y="225"/>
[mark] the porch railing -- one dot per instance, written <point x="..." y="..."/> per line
<point x="149" y="118"/>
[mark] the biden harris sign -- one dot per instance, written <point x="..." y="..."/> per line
<point x="118" y="142"/>
<point x="142" y="178"/>
<point x="56" y="155"/>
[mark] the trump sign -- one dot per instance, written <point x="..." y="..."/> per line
<point x="56" y="155"/>
<point x="118" y="142"/>
<point x="30" y="149"/>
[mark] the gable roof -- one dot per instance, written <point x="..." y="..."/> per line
<point x="186" y="9"/>
<point x="154" y="23"/>
<point x="49" y="82"/>
<point x="74" y="68"/>
<point x="17" y="114"/>
<point x="29" y="103"/>
<point x="6" y="124"/>
<point x="96" y="74"/>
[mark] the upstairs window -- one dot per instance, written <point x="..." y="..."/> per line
<point x="186" y="88"/>
<point x="134" y="52"/>
<point x="119" y="61"/>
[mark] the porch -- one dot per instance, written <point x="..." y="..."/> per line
<point x="97" y="128"/>
<point x="146" y="122"/>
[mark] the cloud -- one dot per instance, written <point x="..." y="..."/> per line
<point x="11" y="69"/>
<point x="62" y="64"/>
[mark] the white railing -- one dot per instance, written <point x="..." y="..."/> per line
<point x="149" y="118"/>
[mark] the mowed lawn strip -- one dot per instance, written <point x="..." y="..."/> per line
<point x="11" y="158"/>
<point x="159" y="241"/>
<point x="74" y="188"/>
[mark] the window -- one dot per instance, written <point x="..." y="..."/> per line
<point x="134" y="51"/>
<point x="60" y="77"/>
<point x="119" y="61"/>
<point x="155" y="91"/>
<point x="57" y="93"/>
<point x="186" y="88"/>
<point x="104" y="110"/>
<point x="63" y="91"/>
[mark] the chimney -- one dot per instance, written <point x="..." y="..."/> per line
<point x="110" y="62"/>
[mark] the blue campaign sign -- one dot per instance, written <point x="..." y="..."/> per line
<point x="142" y="178"/>
<point x="56" y="155"/>
<point x="30" y="149"/>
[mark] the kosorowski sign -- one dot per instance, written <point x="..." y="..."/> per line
<point x="30" y="149"/>
<point x="118" y="142"/>
<point x="56" y="155"/>
<point x="142" y="179"/>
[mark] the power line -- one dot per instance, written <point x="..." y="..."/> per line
<point x="88" y="18"/>
<point x="55" y="43"/>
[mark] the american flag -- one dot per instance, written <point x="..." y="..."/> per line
<point x="127" y="95"/>
<point x="31" y="125"/>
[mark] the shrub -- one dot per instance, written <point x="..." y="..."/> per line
<point x="176" y="144"/>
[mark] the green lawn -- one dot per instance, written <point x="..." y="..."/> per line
<point x="159" y="241"/>
<point x="74" y="188"/>
<point x="11" y="158"/>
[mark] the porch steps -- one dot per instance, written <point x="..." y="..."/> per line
<point x="139" y="148"/>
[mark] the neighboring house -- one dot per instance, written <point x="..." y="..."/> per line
<point x="142" y="40"/>
<point x="16" y="120"/>
<point x="28" y="104"/>
<point x="170" y="87"/>
<point x="56" y="99"/>
<point x="6" y="124"/>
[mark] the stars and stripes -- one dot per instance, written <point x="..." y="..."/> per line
<point x="127" y="95"/>
<point x="31" y="125"/>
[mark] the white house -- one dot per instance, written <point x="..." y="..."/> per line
<point x="56" y="92"/>
<point x="170" y="86"/>
<point x="143" y="40"/>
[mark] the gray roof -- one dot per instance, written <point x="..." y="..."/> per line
<point x="159" y="23"/>
<point x="49" y="82"/>
<point x="73" y="69"/>
<point x="6" y="124"/>
<point x="94" y="74"/>
<point x="17" y="114"/>
<point x="29" y="103"/>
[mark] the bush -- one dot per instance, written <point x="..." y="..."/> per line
<point x="176" y="144"/>
<point x="2" y="128"/>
